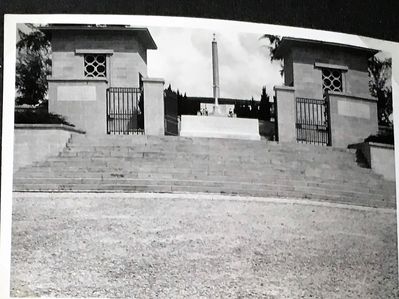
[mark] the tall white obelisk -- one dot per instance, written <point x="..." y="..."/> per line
<point x="215" y="68"/>
<point x="219" y="126"/>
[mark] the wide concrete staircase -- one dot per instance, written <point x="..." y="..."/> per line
<point x="177" y="164"/>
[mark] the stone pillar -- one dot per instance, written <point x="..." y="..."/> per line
<point x="154" y="114"/>
<point x="352" y="118"/>
<point x="285" y="97"/>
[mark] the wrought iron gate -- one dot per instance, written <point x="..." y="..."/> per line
<point x="275" y="114"/>
<point x="312" y="121"/>
<point x="125" y="110"/>
<point x="171" y="114"/>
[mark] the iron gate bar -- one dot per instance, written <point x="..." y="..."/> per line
<point x="275" y="119"/>
<point x="312" y="127"/>
<point x="121" y="119"/>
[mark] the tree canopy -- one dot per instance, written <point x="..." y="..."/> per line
<point x="274" y="42"/>
<point x="32" y="67"/>
<point x="380" y="87"/>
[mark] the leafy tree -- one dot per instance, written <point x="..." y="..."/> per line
<point x="380" y="72"/>
<point x="274" y="42"/>
<point x="32" y="67"/>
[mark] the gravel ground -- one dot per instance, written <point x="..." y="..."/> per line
<point x="88" y="245"/>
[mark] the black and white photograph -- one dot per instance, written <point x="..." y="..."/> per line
<point x="207" y="160"/>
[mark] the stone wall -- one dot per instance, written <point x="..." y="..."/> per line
<point x="288" y="70"/>
<point x="352" y="118"/>
<point x="380" y="158"/>
<point x="82" y="102"/>
<point x="126" y="57"/>
<point x="383" y="160"/>
<point x="33" y="142"/>
<point x="307" y="71"/>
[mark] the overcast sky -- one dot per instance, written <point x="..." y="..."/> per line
<point x="184" y="60"/>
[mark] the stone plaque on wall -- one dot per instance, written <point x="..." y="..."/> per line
<point x="67" y="71"/>
<point x="121" y="72"/>
<point x="353" y="109"/>
<point x="76" y="93"/>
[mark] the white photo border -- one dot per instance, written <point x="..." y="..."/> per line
<point x="10" y="32"/>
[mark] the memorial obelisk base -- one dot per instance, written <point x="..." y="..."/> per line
<point x="218" y="125"/>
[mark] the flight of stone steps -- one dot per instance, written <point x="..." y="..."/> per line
<point x="226" y="166"/>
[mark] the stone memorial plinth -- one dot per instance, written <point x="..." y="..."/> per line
<point x="219" y="127"/>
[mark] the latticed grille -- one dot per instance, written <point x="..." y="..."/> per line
<point x="332" y="80"/>
<point x="95" y="65"/>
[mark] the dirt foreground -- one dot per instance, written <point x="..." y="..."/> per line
<point x="175" y="246"/>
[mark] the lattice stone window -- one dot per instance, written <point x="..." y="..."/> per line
<point x="332" y="80"/>
<point x="95" y="65"/>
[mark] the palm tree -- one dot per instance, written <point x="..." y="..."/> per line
<point x="274" y="42"/>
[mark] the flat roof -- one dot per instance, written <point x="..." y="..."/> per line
<point x="288" y="42"/>
<point x="142" y="32"/>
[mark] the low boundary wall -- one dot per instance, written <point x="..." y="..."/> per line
<point x="380" y="158"/>
<point x="36" y="142"/>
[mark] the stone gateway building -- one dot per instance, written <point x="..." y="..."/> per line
<point x="99" y="83"/>
<point x="325" y="98"/>
<point x="98" y="77"/>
